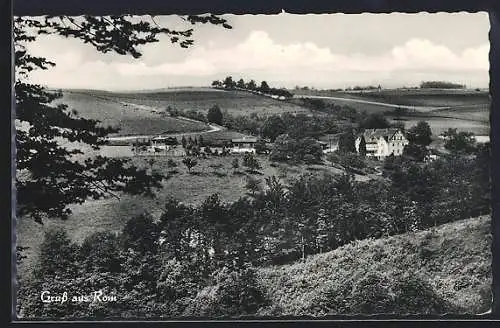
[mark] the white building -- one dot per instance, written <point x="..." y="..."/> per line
<point x="243" y="145"/>
<point x="381" y="143"/>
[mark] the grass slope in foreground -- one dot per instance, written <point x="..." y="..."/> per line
<point x="453" y="259"/>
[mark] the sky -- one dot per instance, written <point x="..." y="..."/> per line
<point x="322" y="51"/>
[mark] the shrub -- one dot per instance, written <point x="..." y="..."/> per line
<point x="239" y="292"/>
<point x="57" y="253"/>
<point x="235" y="163"/>
<point x="416" y="296"/>
<point x="373" y="295"/>
<point x="171" y="163"/>
<point x="214" y="115"/>
<point x="234" y="293"/>
<point x="100" y="251"/>
<point x="140" y="234"/>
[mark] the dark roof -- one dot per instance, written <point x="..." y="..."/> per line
<point x="244" y="140"/>
<point x="371" y="134"/>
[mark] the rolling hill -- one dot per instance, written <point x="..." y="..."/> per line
<point x="452" y="260"/>
<point x="201" y="99"/>
<point x="467" y="110"/>
<point x="131" y="118"/>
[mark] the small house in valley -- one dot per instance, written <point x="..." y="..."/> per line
<point x="380" y="143"/>
<point x="243" y="145"/>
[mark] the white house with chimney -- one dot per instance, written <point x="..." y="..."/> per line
<point x="380" y="143"/>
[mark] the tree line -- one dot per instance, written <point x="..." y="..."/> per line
<point x="229" y="84"/>
<point x="441" y="85"/>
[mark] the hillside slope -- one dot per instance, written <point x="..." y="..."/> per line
<point x="453" y="260"/>
<point x="133" y="118"/>
<point x="201" y="99"/>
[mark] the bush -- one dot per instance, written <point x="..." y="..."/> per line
<point x="373" y="295"/>
<point x="416" y="296"/>
<point x="171" y="163"/>
<point x="57" y="253"/>
<point x="235" y="163"/>
<point x="214" y="115"/>
<point x="235" y="293"/>
<point x="251" y="162"/>
<point x="100" y="251"/>
<point x="141" y="234"/>
<point x="238" y="292"/>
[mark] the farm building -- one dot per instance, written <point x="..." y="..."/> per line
<point x="243" y="145"/>
<point x="380" y="143"/>
<point x="162" y="142"/>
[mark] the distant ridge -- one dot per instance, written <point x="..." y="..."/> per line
<point x="169" y="89"/>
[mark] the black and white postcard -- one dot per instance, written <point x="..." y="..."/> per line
<point x="252" y="166"/>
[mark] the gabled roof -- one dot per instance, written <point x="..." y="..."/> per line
<point x="244" y="140"/>
<point x="374" y="134"/>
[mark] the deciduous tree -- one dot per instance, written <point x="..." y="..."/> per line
<point x="251" y="162"/>
<point x="49" y="178"/>
<point x="253" y="185"/>
<point x="190" y="163"/>
<point x="420" y="134"/>
<point x="214" y="115"/>
<point x="273" y="126"/>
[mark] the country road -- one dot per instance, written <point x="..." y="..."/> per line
<point x="213" y="127"/>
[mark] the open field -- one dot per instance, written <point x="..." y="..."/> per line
<point x="411" y="97"/>
<point x="201" y="99"/>
<point x="466" y="110"/>
<point x="427" y="97"/>
<point x="132" y="120"/>
<point x="441" y="124"/>
<point x="454" y="259"/>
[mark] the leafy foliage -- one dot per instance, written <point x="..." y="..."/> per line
<point x="49" y="178"/>
<point x="286" y="148"/>
<point x="375" y="121"/>
<point x="420" y="134"/>
<point x="253" y="185"/>
<point x="214" y="115"/>
<point x="273" y="126"/>
<point x="251" y="162"/>
<point x="441" y="85"/>
<point x="190" y="163"/>
<point x="169" y="267"/>
<point x="459" y="142"/>
<point x="347" y="142"/>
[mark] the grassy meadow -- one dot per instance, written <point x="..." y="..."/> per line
<point x="411" y="97"/>
<point x="201" y="99"/>
<point x="132" y="120"/>
<point x="466" y="110"/>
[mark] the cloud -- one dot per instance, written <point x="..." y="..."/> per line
<point x="259" y="56"/>
<point x="260" y="52"/>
